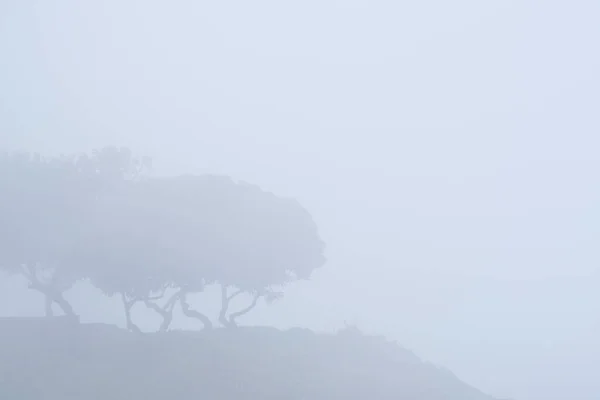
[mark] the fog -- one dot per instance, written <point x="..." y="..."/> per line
<point x="446" y="150"/>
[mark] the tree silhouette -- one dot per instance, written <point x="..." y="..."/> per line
<point x="242" y="238"/>
<point x="149" y="240"/>
<point x="39" y="212"/>
<point x="126" y="252"/>
<point x="45" y="201"/>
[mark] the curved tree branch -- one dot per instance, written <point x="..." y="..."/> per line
<point x="166" y="311"/>
<point x="244" y="311"/>
<point x="158" y="296"/>
<point x="128" y="304"/>
<point x="50" y="292"/>
<point x="224" y="307"/>
<point x="228" y="321"/>
<point x="188" y="312"/>
<point x="234" y="294"/>
<point x="58" y="298"/>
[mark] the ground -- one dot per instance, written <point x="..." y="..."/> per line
<point x="52" y="359"/>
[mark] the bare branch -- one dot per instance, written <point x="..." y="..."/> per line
<point x="152" y="298"/>
<point x="166" y="311"/>
<point x="169" y="305"/>
<point x="154" y="307"/>
<point x="234" y="294"/>
<point x="244" y="311"/>
<point x="157" y="296"/>
<point x="188" y="312"/>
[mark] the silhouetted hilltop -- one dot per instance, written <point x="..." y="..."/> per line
<point x="56" y="359"/>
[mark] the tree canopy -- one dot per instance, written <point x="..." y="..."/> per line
<point x="39" y="213"/>
<point x="147" y="239"/>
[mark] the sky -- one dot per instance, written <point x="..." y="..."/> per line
<point x="447" y="151"/>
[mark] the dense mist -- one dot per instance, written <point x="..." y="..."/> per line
<point x="447" y="151"/>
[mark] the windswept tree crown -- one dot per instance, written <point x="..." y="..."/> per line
<point x="148" y="239"/>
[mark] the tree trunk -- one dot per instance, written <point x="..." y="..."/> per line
<point x="63" y="304"/>
<point x="188" y="312"/>
<point x="244" y="311"/>
<point x="229" y="321"/>
<point x="53" y="296"/>
<point x="49" y="310"/>
<point x="224" y="307"/>
<point x="166" y="311"/>
<point x="166" y="315"/>
<point x="128" y="304"/>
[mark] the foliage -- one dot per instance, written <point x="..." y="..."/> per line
<point x="177" y="235"/>
<point x="243" y="238"/>
<point x="39" y="220"/>
<point x="46" y="202"/>
<point x="105" y="219"/>
<point x="125" y="249"/>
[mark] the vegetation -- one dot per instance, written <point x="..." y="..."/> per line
<point x="104" y="218"/>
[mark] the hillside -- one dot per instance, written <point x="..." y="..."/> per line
<point x="50" y="359"/>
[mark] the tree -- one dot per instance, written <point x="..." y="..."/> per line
<point x="159" y="240"/>
<point x="38" y="222"/>
<point x="278" y="242"/>
<point x="116" y="249"/>
<point x="44" y="203"/>
<point x="179" y="224"/>
<point x="240" y="237"/>
<point x="124" y="250"/>
<point x="167" y="251"/>
<point x="149" y="240"/>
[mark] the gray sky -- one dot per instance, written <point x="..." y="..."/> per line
<point x="447" y="150"/>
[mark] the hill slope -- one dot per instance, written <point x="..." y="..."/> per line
<point x="45" y="360"/>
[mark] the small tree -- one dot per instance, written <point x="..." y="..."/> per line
<point x="184" y="233"/>
<point x="173" y="219"/>
<point x="241" y="237"/>
<point x="278" y="243"/>
<point x="39" y="213"/>
<point x="44" y="203"/>
<point x="149" y="240"/>
<point x="137" y="247"/>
